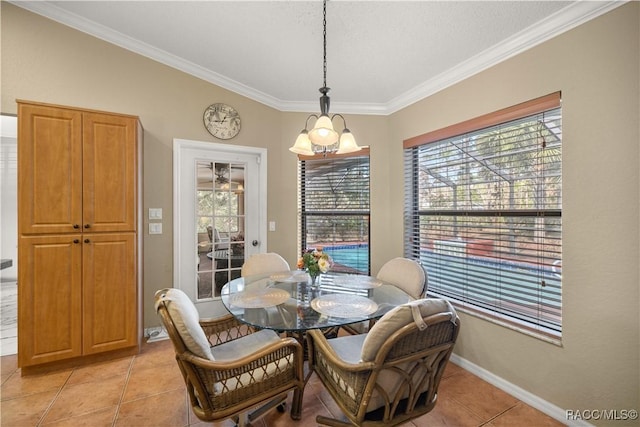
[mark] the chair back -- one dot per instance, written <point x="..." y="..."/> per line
<point x="181" y="319"/>
<point x="264" y="263"/>
<point x="402" y="360"/>
<point x="406" y="274"/>
<point x="416" y="338"/>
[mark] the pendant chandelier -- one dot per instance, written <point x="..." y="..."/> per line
<point x="322" y="138"/>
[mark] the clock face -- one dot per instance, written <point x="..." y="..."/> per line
<point x="222" y="121"/>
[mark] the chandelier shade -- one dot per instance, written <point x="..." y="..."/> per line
<point x="347" y="143"/>
<point x="323" y="138"/>
<point x="323" y="133"/>
<point x="302" y="144"/>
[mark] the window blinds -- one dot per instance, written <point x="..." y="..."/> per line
<point x="483" y="215"/>
<point x="334" y="209"/>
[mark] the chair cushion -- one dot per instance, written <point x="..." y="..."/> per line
<point x="407" y="274"/>
<point x="397" y="318"/>
<point x="348" y="347"/>
<point x="187" y="321"/>
<point x="238" y="348"/>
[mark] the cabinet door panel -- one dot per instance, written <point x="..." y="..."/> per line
<point x="50" y="172"/>
<point x="110" y="292"/>
<point x="109" y="172"/>
<point x="50" y="299"/>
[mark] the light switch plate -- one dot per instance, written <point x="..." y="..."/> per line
<point x="155" y="213"/>
<point x="272" y="226"/>
<point x="155" y="228"/>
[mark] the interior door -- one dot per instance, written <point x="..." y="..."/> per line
<point x="219" y="216"/>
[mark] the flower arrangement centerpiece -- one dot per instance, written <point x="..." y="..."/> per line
<point x="315" y="262"/>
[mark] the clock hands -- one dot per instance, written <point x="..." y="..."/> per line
<point x="222" y="121"/>
<point x="231" y="119"/>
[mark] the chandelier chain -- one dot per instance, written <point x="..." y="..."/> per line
<point x="324" y="36"/>
<point x="323" y="138"/>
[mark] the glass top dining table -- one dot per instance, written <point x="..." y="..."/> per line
<point x="288" y="302"/>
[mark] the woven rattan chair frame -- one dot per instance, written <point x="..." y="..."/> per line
<point x="352" y="385"/>
<point x="213" y="386"/>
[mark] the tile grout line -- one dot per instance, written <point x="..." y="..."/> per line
<point x="124" y="390"/>
<point x="500" y="414"/>
<point x="9" y="376"/>
<point x="55" y="398"/>
<point x="483" y="422"/>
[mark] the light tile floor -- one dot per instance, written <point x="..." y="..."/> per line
<point x="8" y="318"/>
<point x="147" y="390"/>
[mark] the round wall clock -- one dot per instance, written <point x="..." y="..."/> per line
<point x="222" y="121"/>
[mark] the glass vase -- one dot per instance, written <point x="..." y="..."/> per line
<point x="315" y="279"/>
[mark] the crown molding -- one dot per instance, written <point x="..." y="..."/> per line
<point x="564" y="20"/>
<point x="102" y="32"/>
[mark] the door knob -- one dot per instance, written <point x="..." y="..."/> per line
<point x="76" y="226"/>
<point x="254" y="243"/>
<point x="87" y="240"/>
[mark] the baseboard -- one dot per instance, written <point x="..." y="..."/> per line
<point x="157" y="333"/>
<point x="530" y="399"/>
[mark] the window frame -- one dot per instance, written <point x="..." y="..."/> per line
<point x="413" y="215"/>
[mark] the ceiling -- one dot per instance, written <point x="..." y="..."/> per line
<point x="381" y="55"/>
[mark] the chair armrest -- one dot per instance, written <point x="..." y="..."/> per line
<point x="346" y="382"/>
<point x="318" y="343"/>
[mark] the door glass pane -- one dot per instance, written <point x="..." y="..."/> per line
<point x="220" y="225"/>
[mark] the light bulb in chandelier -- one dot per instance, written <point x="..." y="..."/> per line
<point x="323" y="132"/>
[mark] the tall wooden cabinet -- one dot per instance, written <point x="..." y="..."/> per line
<point x="79" y="283"/>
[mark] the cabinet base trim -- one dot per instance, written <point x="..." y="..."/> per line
<point x="77" y="362"/>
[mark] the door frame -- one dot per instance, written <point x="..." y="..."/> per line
<point x="210" y="149"/>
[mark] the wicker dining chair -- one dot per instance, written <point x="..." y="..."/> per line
<point x="264" y="263"/>
<point x="391" y="374"/>
<point x="230" y="369"/>
<point x="404" y="273"/>
<point x="407" y="274"/>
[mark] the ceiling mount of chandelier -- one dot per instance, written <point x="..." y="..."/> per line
<point x="322" y="138"/>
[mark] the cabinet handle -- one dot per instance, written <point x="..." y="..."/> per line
<point x="87" y="240"/>
<point x="76" y="226"/>
<point x="87" y="226"/>
<point x="76" y="241"/>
